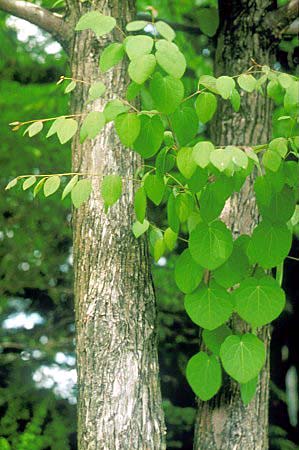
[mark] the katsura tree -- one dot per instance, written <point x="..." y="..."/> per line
<point x="127" y="154"/>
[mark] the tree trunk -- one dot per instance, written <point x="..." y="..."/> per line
<point x="119" y="401"/>
<point x="224" y="422"/>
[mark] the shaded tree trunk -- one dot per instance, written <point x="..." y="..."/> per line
<point x="224" y="422"/>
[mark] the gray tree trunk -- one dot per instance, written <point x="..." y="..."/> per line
<point x="119" y="403"/>
<point x="224" y="422"/>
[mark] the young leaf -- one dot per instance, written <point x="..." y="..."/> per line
<point x="279" y="145"/>
<point x="150" y="137"/>
<point x="51" y="185"/>
<point x="38" y="186"/>
<point x="92" y="125"/>
<point x="97" y="22"/>
<point x="203" y="373"/>
<point x="34" y="128"/>
<point x="140" y="204"/>
<point x="259" y="301"/>
<point x="247" y="82"/>
<point x="209" y="306"/>
<point x="140" y="228"/>
<point x="67" y="130"/>
<point x="221" y="158"/>
<point x="111" y="56"/>
<point x="243" y="356"/>
<point x="167" y="92"/>
<point x="185" y="124"/>
<point x="136" y="25"/>
<point x="96" y="90"/>
<point x="205" y="105"/>
<point x="137" y="46"/>
<point x="11" y="184"/>
<point x="248" y="390"/>
<point x="127" y="126"/>
<point x="211" y="244"/>
<point x="171" y="59"/>
<point x="58" y="123"/>
<point x="170" y="238"/>
<point x="81" y="192"/>
<point x="141" y="68"/>
<point x="154" y="187"/>
<point x="68" y="188"/>
<point x="111" y="189"/>
<point x="165" y="30"/>
<point x="225" y="86"/>
<point x="185" y="162"/>
<point x="213" y="339"/>
<point x="187" y="274"/>
<point x="270" y="244"/>
<point x="29" y="182"/>
<point x="70" y="87"/>
<point x="202" y="152"/>
<point x="239" y="157"/>
<point x="113" y="109"/>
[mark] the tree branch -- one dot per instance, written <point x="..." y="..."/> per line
<point x="279" y="21"/>
<point x="51" y="22"/>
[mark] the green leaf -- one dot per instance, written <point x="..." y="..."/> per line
<point x="235" y="100"/>
<point x="172" y="217"/>
<point x="247" y="82"/>
<point x="239" y="157"/>
<point x="211" y="202"/>
<point x="185" y="124"/>
<point x="221" y="158"/>
<point x="259" y="301"/>
<point x="198" y="180"/>
<point x="184" y="206"/>
<point x="206" y="106"/>
<point x="38" y="187"/>
<point x="185" y="162"/>
<point x="208" y="82"/>
<point x="111" y="56"/>
<point x="113" y="109"/>
<point x="34" y="128"/>
<point x="271" y="160"/>
<point x="165" y="30"/>
<point x="248" y="390"/>
<point x="11" y="184"/>
<point x="211" y="244"/>
<point x="165" y="161"/>
<point x="66" y="130"/>
<point x="141" y="68"/>
<point x="209" y="306"/>
<point x="243" y="356"/>
<point x="202" y="152"/>
<point x="127" y="126"/>
<point x="285" y="80"/>
<point x="133" y="90"/>
<point x="159" y="249"/>
<point x="140" y="228"/>
<point x="170" y="238"/>
<point x="96" y="90"/>
<point x="92" y="125"/>
<point x="213" y="339"/>
<point x="270" y="244"/>
<point x="188" y="274"/>
<point x="140" y="204"/>
<point x="225" y="86"/>
<point x="29" y="182"/>
<point x="137" y="46"/>
<point x="203" y="373"/>
<point x="236" y="268"/>
<point x="97" y="22"/>
<point x="51" y="185"/>
<point x="167" y="92"/>
<point x="136" y="25"/>
<point x="150" y="137"/>
<point x="81" y="192"/>
<point x="111" y="189"/>
<point x="68" y="188"/>
<point x="154" y="187"/>
<point x="279" y="145"/>
<point x="70" y="87"/>
<point x="208" y="21"/>
<point x="171" y="59"/>
<point x="277" y="206"/>
<point x="58" y="123"/>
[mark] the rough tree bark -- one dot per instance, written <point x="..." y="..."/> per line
<point x="224" y="422"/>
<point x="119" y="399"/>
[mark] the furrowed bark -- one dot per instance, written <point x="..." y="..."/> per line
<point x="51" y="22"/>
<point x="119" y="404"/>
<point x="224" y="422"/>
